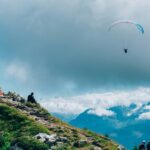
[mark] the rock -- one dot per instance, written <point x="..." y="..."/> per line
<point x="60" y="144"/>
<point x="49" y="139"/>
<point x="53" y="126"/>
<point x="120" y="147"/>
<point x="34" y="112"/>
<point x="90" y="138"/>
<point x="53" y="148"/>
<point x="15" y="147"/>
<point x="76" y="144"/>
<point x="15" y="97"/>
<point x="96" y="144"/>
<point x="20" y="99"/>
<point x="62" y="139"/>
<point x="97" y="148"/>
<point x="80" y="143"/>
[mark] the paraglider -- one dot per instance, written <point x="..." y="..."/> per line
<point x="127" y="22"/>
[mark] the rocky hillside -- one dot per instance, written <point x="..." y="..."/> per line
<point x="27" y="126"/>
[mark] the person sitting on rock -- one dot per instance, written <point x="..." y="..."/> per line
<point x="31" y="98"/>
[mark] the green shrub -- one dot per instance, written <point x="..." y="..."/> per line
<point x="18" y="123"/>
<point x="28" y="143"/>
<point x="135" y="148"/>
<point x="5" y="141"/>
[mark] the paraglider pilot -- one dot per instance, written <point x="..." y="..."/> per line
<point x="125" y="50"/>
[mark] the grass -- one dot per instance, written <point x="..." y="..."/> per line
<point x="17" y="127"/>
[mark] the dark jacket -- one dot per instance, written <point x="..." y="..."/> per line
<point x="31" y="99"/>
<point x="142" y="147"/>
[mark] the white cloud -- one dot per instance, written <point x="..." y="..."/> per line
<point x="144" y="116"/>
<point x="62" y="106"/>
<point x="100" y="102"/>
<point x="137" y="134"/>
<point x="101" y="112"/>
<point x="113" y="134"/>
<point x="17" y="71"/>
<point x="147" y="107"/>
<point x="138" y="106"/>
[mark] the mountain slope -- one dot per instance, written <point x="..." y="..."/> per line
<point x="30" y="127"/>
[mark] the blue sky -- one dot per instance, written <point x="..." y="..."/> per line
<point x="63" y="48"/>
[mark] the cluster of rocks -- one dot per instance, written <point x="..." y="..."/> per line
<point x="15" y="97"/>
<point x="15" y="147"/>
<point x="80" y="143"/>
<point x="52" y="140"/>
<point x="55" y="141"/>
<point x="35" y="114"/>
<point x="120" y="147"/>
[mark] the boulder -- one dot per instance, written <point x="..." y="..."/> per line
<point x="96" y="144"/>
<point x="97" y="148"/>
<point x="120" y="147"/>
<point x="53" y="148"/>
<point x="60" y="144"/>
<point x="15" y="147"/>
<point x="80" y="143"/>
<point x="62" y="139"/>
<point x="43" y="137"/>
<point x="90" y="138"/>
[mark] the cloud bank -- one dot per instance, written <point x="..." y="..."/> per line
<point x="99" y="102"/>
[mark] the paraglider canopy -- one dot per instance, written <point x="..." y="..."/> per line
<point x="116" y="23"/>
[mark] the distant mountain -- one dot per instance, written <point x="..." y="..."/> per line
<point x="125" y="126"/>
<point x="93" y="122"/>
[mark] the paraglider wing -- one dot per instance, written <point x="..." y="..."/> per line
<point x="138" y="26"/>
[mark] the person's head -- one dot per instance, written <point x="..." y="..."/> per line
<point x="32" y="93"/>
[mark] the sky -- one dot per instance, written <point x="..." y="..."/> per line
<point x="63" y="50"/>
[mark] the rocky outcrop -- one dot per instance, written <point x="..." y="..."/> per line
<point x="43" y="137"/>
<point x="97" y="148"/>
<point x="15" y="147"/>
<point x="80" y="143"/>
<point x="120" y="147"/>
<point x="51" y="140"/>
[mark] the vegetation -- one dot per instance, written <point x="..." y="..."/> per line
<point x="135" y="148"/>
<point x="16" y="126"/>
<point x="21" y="122"/>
